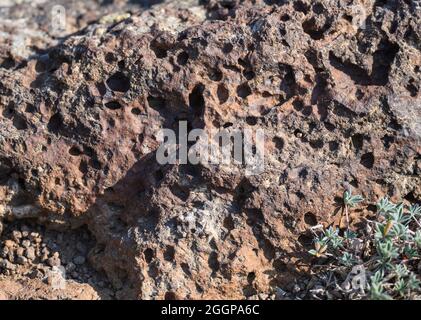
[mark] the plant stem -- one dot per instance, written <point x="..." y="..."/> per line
<point x="347" y="216"/>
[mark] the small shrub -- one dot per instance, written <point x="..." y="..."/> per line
<point x="381" y="260"/>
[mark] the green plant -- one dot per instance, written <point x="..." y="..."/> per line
<point x="387" y="249"/>
<point x="350" y="201"/>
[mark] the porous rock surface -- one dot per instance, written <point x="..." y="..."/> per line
<point x="334" y="84"/>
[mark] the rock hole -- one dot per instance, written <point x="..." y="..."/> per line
<point x="251" y="276"/>
<point x="367" y="160"/>
<point x="156" y="103"/>
<point x="316" y="144"/>
<point x="223" y="93"/>
<point x="181" y="193"/>
<point x="118" y="82"/>
<point x="215" y="75"/>
<point x="333" y="146"/>
<point x="229" y="223"/>
<point x="148" y="254"/>
<point x="113" y="105"/>
<point x="411" y="198"/>
<point x="254" y="216"/>
<point x="196" y="99"/>
<point x="8" y="112"/>
<point x="280" y="266"/>
<point x="170" y="296"/>
<point x="285" y="18"/>
<point x="388" y="141"/>
<point x="169" y="253"/>
<point x="182" y="58"/>
<point x="30" y="108"/>
<point x="96" y="164"/>
<point x="251" y="121"/>
<point x="213" y="261"/>
<point x="310" y="219"/>
<point x="318" y="8"/>
<point x="243" y="90"/>
<point x="110" y="58"/>
<point x="303" y="173"/>
<point x="412" y="89"/>
<point x="83" y="167"/>
<point x="75" y="151"/>
<point x="329" y="126"/>
<point x="359" y="94"/>
<point x="227" y="48"/>
<point x="279" y="143"/>
<point x="159" y="175"/>
<point x="306" y="241"/>
<point x="298" y="105"/>
<point x="301" y="7"/>
<point x="249" y="74"/>
<point x="19" y="122"/>
<point x="136" y="111"/>
<point x="357" y="141"/>
<point x="8" y="63"/>
<point x="55" y="123"/>
<point x="102" y="89"/>
<point x="159" y="50"/>
<point x="316" y="33"/>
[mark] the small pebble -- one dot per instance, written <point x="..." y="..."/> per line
<point x="26" y="243"/>
<point x="53" y="262"/>
<point x="79" y="260"/>
<point x="21" y="260"/>
<point x="9" y="244"/>
<point x="16" y="235"/>
<point x="30" y="253"/>
<point x="20" y="251"/>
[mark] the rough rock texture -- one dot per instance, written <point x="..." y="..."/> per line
<point x="334" y="84"/>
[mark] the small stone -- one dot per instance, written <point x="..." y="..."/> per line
<point x="35" y="274"/>
<point x="263" y="296"/>
<point x="17" y="235"/>
<point x="9" y="244"/>
<point x="20" y="251"/>
<point x="30" y="253"/>
<point x="26" y="243"/>
<point x="21" y="260"/>
<point x="4" y="251"/>
<point x="296" y="288"/>
<point x="81" y="247"/>
<point x="280" y="294"/>
<point x="33" y="235"/>
<point x="53" y="262"/>
<point x="70" y="267"/>
<point x="79" y="260"/>
<point x="44" y="257"/>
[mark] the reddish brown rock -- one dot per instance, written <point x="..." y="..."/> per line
<point x="337" y="96"/>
